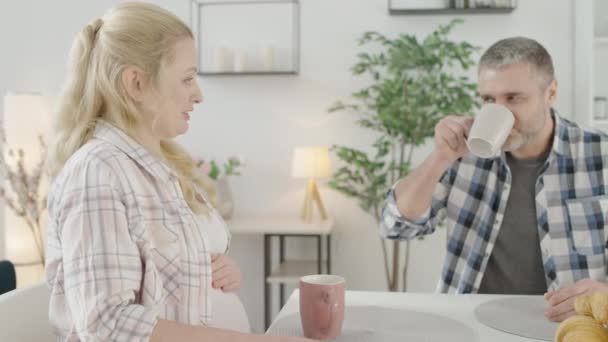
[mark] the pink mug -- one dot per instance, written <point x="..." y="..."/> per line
<point x="322" y="305"/>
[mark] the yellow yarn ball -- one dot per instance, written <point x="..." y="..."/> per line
<point x="581" y="329"/>
<point x="582" y="305"/>
<point x="589" y="324"/>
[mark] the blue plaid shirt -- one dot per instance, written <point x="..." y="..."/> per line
<point x="571" y="212"/>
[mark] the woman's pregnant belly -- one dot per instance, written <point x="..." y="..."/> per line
<point x="228" y="312"/>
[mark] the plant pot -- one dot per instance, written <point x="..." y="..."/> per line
<point x="225" y="204"/>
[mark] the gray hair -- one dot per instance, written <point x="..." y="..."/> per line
<point x="517" y="50"/>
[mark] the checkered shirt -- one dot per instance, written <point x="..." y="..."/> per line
<point x="124" y="248"/>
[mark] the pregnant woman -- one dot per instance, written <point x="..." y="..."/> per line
<point x="135" y="246"/>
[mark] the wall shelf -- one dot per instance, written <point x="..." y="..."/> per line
<point x="448" y="11"/>
<point x="268" y="45"/>
<point x="450" y="7"/>
<point x="247" y="73"/>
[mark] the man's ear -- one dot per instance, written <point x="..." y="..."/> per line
<point x="134" y="80"/>
<point x="552" y="92"/>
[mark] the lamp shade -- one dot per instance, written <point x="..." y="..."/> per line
<point x="311" y="162"/>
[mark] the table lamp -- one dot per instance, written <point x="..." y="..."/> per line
<point x="311" y="163"/>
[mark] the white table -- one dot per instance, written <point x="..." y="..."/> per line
<point x="458" y="307"/>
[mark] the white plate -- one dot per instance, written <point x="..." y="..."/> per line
<point x="521" y="316"/>
<point x="372" y="323"/>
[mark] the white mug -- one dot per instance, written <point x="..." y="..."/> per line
<point x="490" y="130"/>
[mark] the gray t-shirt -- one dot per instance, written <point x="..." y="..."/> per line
<point x="515" y="266"/>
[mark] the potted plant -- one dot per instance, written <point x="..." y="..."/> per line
<point x="415" y="83"/>
<point x="231" y="167"/>
<point x="23" y="193"/>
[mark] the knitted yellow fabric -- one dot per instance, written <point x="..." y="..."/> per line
<point x="589" y="323"/>
<point x="594" y="305"/>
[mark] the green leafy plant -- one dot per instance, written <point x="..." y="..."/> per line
<point x="415" y="83"/>
<point x="212" y="169"/>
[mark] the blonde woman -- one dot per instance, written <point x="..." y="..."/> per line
<point x="135" y="247"/>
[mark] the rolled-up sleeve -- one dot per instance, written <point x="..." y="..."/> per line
<point x="101" y="262"/>
<point x="395" y="226"/>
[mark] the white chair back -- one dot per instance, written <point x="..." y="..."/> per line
<point x="24" y="314"/>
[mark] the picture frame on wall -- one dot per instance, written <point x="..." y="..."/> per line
<point x="255" y="37"/>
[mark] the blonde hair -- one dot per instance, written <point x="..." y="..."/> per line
<point x="130" y="34"/>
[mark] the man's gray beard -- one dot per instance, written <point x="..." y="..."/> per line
<point x="514" y="145"/>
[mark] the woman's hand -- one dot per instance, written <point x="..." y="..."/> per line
<point x="226" y="274"/>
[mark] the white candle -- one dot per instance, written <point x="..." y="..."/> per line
<point x="240" y="60"/>
<point x="221" y="58"/>
<point x="267" y="57"/>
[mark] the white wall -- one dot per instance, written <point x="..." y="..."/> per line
<point x="263" y="118"/>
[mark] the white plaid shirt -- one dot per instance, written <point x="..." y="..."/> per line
<point x="124" y="248"/>
<point x="571" y="212"/>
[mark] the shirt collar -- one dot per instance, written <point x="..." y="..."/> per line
<point x="139" y="154"/>
<point x="561" y="138"/>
